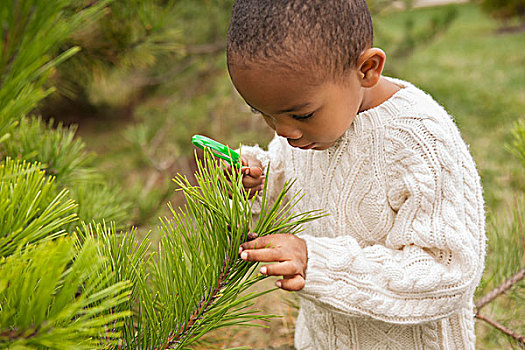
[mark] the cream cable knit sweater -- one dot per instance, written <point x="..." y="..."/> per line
<point x="395" y="264"/>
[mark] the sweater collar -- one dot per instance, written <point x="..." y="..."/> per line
<point x="377" y="116"/>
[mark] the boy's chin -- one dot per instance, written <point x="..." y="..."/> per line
<point x="323" y="146"/>
<point x="316" y="146"/>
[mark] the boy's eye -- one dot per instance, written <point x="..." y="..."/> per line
<point x="302" y="117"/>
<point x="254" y="111"/>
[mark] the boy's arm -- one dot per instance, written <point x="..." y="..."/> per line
<point x="434" y="253"/>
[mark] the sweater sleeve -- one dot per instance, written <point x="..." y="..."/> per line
<point x="433" y="255"/>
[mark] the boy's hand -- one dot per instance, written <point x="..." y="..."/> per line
<point x="252" y="174"/>
<point x="288" y="250"/>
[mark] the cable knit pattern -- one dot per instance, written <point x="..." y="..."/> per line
<point x="395" y="264"/>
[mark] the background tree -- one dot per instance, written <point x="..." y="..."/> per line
<point x="506" y="11"/>
<point x="52" y="293"/>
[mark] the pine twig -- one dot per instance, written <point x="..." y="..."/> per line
<point x="502" y="288"/>
<point x="203" y="307"/>
<point x="489" y="297"/>
<point x="502" y="328"/>
<point x="13" y="334"/>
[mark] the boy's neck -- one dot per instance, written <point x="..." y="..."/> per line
<point x="379" y="93"/>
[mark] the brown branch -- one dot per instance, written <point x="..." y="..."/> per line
<point x="10" y="334"/>
<point x="502" y="288"/>
<point x="502" y="328"/>
<point x="201" y="309"/>
<point x="13" y="334"/>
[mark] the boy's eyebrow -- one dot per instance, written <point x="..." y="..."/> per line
<point x="286" y="110"/>
<point x="294" y="108"/>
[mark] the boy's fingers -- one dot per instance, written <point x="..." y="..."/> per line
<point x="251" y="236"/>
<point x="259" y="243"/>
<point x="255" y="171"/>
<point x="286" y="268"/>
<point x="249" y="181"/>
<point x="262" y="255"/>
<point x="291" y="283"/>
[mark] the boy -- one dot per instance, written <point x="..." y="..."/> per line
<point x="396" y="263"/>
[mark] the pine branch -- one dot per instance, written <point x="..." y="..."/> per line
<point x="32" y="32"/>
<point x="32" y="207"/>
<point x="14" y="334"/>
<point x="502" y="328"/>
<point x="502" y="288"/>
<point x="489" y="297"/>
<point x="197" y="277"/>
<point x="203" y="307"/>
<point x="58" y="296"/>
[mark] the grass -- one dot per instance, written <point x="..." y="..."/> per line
<point x="476" y="73"/>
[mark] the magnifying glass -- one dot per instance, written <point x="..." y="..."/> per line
<point x="217" y="149"/>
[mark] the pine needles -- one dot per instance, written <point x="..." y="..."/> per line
<point x="64" y="157"/>
<point x="32" y="208"/>
<point x="63" y="287"/>
<point x="196" y="281"/>
<point x="199" y="252"/>
<point x="102" y="289"/>
<point x="58" y="302"/>
<point x="31" y="30"/>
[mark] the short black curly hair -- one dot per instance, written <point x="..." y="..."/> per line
<point x="327" y="35"/>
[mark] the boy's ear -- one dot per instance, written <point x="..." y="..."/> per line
<point x="370" y="65"/>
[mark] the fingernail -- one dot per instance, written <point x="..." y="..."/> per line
<point x="240" y="249"/>
<point x="244" y="255"/>
<point x="263" y="270"/>
<point x="278" y="284"/>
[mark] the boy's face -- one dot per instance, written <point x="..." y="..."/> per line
<point x="309" y="115"/>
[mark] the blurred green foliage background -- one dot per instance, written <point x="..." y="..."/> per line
<point x="152" y="73"/>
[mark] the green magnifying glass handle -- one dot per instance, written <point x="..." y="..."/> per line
<point x="218" y="149"/>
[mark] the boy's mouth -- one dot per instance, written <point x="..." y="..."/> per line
<point x="295" y="144"/>
<point x="307" y="146"/>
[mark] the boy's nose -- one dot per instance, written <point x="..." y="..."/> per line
<point x="288" y="131"/>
